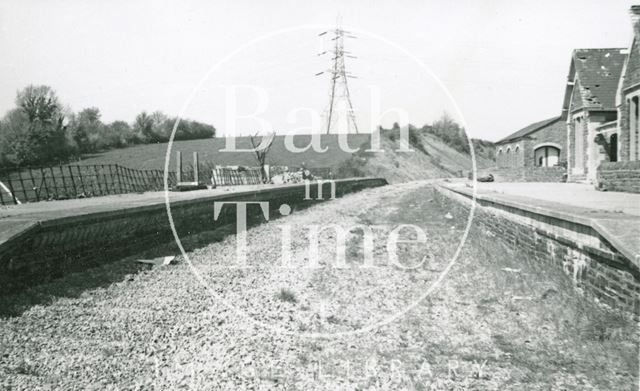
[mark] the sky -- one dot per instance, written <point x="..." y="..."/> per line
<point x="495" y="65"/>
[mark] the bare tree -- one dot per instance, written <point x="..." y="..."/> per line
<point x="261" y="150"/>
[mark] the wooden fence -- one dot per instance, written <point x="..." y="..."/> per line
<point x="82" y="181"/>
<point x="76" y="181"/>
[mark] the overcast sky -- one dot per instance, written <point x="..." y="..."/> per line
<point x="503" y="63"/>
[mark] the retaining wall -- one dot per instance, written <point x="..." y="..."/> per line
<point x="526" y="174"/>
<point x="570" y="245"/>
<point x="52" y="248"/>
<point x="619" y="176"/>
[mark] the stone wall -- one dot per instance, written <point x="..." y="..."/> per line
<point x="593" y="264"/>
<point x="619" y="176"/>
<point x="526" y="174"/>
<point x="510" y="155"/>
<point x="57" y="247"/>
<point x="623" y="136"/>
<point x="554" y="134"/>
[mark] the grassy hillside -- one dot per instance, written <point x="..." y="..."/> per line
<point x="152" y="156"/>
<point x="433" y="157"/>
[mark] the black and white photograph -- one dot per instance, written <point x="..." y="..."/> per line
<point x="353" y="195"/>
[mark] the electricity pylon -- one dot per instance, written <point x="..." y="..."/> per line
<point x="338" y="79"/>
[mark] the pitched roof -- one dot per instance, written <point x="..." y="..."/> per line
<point x="529" y="129"/>
<point x="598" y="73"/>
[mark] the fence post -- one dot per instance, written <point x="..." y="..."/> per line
<point x="118" y="178"/>
<point x="13" y="193"/>
<point x="36" y="190"/>
<point x="196" y="168"/>
<point x="113" y="181"/>
<point x="178" y="166"/>
<point x="138" y="174"/>
<point x="64" y="183"/>
<point x="134" y="172"/>
<point x="43" y="181"/>
<point x="73" y="182"/>
<point x="95" y="173"/>
<point x="132" y="180"/>
<point x="55" y="183"/>
<point x="84" y="191"/>
<point x="104" y="178"/>
<point x="24" y="191"/>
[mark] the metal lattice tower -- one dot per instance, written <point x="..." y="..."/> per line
<point x="339" y="90"/>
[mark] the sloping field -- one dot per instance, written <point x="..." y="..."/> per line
<point x="442" y="157"/>
<point x="152" y="156"/>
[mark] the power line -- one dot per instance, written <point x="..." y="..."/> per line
<point x="338" y="77"/>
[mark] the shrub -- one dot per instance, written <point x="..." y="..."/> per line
<point x="287" y="295"/>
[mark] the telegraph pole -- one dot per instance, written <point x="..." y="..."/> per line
<point x="338" y="78"/>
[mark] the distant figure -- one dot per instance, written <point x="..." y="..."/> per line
<point x="306" y="174"/>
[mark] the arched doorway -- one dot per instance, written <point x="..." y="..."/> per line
<point x="546" y="156"/>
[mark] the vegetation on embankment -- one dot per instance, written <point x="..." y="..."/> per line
<point x="41" y="130"/>
<point x="431" y="157"/>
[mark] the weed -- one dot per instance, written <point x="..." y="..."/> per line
<point x="287" y="295"/>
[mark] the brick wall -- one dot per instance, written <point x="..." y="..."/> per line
<point x="577" y="250"/>
<point x="619" y="176"/>
<point x="67" y="245"/>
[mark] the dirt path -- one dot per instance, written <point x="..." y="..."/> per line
<point x="494" y="323"/>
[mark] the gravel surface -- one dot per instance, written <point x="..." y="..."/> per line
<point x="274" y="326"/>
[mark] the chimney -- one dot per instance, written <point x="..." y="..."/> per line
<point x="635" y="19"/>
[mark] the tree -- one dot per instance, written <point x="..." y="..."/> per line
<point x="43" y="137"/>
<point x="262" y="149"/>
<point x="161" y="127"/>
<point x="86" y="130"/>
<point x="447" y="129"/>
<point x="124" y="134"/>
<point x="39" y="103"/>
<point x="143" y="126"/>
<point x="16" y="147"/>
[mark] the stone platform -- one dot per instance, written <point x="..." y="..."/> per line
<point x="45" y="240"/>
<point x="593" y="236"/>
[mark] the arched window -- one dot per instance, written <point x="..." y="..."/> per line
<point x="508" y="161"/>
<point x="546" y="156"/>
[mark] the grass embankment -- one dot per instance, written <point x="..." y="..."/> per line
<point x="430" y="158"/>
